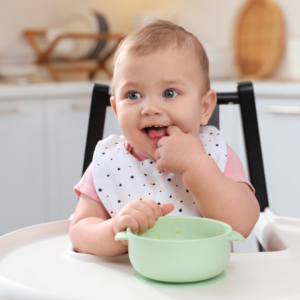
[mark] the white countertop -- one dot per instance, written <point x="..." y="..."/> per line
<point x="269" y="88"/>
<point x="37" y="263"/>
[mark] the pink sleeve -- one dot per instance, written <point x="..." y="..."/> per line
<point x="86" y="185"/>
<point x="234" y="168"/>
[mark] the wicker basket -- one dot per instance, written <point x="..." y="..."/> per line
<point x="259" y="39"/>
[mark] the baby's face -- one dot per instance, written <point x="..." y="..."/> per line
<point x="159" y="89"/>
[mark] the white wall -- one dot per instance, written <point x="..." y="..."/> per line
<point x="213" y="21"/>
<point x="15" y="15"/>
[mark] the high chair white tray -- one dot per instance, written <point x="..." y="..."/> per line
<point x="38" y="263"/>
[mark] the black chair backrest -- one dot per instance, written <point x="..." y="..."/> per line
<point x="244" y="96"/>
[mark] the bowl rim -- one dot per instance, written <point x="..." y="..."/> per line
<point x="130" y="233"/>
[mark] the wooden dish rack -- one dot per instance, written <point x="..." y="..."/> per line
<point x="43" y="55"/>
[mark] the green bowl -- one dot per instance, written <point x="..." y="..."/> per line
<point x="181" y="249"/>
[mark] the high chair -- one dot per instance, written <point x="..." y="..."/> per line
<point x="243" y="97"/>
<point x="38" y="262"/>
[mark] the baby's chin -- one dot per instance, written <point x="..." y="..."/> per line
<point x="149" y="153"/>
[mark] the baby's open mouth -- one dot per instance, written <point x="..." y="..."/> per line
<point x="155" y="132"/>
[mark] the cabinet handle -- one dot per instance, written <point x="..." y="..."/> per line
<point x="81" y="106"/>
<point x="9" y="111"/>
<point x="283" y="110"/>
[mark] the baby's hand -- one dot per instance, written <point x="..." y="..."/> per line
<point x="177" y="151"/>
<point x="140" y="215"/>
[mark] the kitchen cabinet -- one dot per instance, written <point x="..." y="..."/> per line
<point x="280" y="139"/>
<point x="42" y="136"/>
<point x="279" y="125"/>
<point x="22" y="180"/>
<point x="66" y="129"/>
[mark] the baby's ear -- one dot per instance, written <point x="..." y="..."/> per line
<point x="208" y="104"/>
<point x="113" y="104"/>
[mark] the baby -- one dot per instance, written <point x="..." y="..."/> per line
<point x="168" y="162"/>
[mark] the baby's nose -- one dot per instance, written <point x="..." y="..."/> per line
<point x="151" y="108"/>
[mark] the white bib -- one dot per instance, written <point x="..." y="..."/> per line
<point x="120" y="178"/>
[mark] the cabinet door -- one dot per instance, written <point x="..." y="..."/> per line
<point x="280" y="139"/>
<point x="67" y="121"/>
<point x="22" y="201"/>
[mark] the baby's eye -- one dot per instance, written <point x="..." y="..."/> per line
<point x="134" y="95"/>
<point x="170" y="94"/>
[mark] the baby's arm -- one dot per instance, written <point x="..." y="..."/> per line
<point x="93" y="231"/>
<point x="217" y="196"/>
<point x="221" y="198"/>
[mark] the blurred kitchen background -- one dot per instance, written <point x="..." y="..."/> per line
<point x="45" y="91"/>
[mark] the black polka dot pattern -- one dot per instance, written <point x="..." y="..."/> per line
<point x="144" y="181"/>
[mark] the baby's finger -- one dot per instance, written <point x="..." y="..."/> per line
<point x="142" y="220"/>
<point x="173" y="129"/>
<point x="127" y="221"/>
<point x="161" y="141"/>
<point x="159" y="165"/>
<point x="148" y="211"/>
<point x="157" y="154"/>
<point x="144" y="208"/>
<point x="155" y="208"/>
<point x="166" y="209"/>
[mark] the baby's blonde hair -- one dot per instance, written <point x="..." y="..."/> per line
<point x="160" y="35"/>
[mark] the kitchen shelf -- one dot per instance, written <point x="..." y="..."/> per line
<point x="43" y="55"/>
